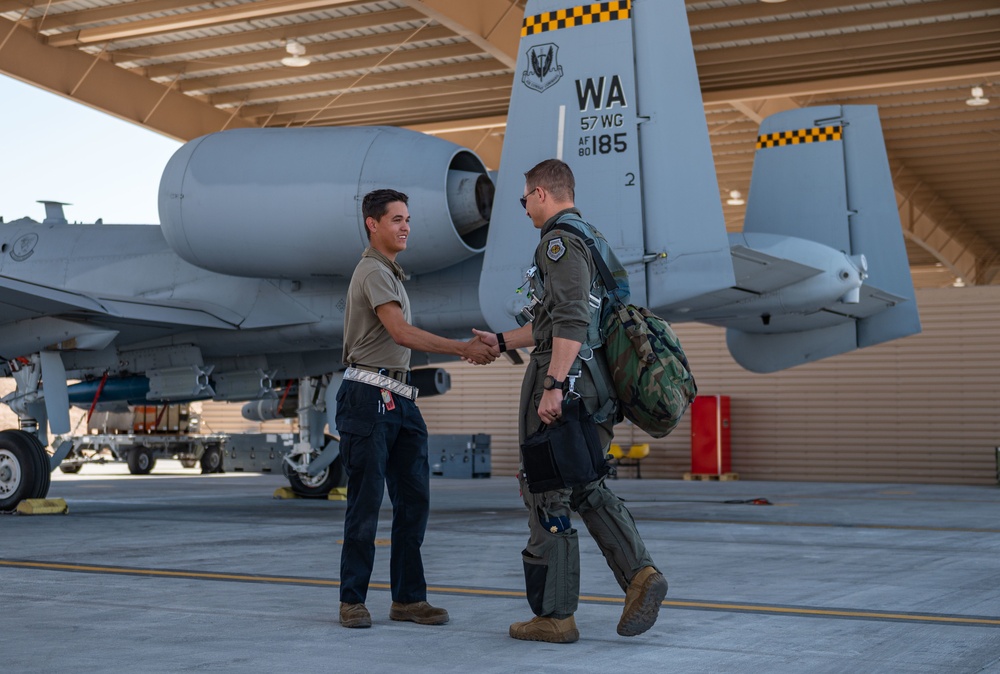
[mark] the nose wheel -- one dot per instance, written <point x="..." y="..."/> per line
<point x="320" y="485"/>
<point x="24" y="468"/>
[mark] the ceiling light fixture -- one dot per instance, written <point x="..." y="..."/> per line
<point x="977" y="97"/>
<point x="735" y="196"/>
<point x="295" y="58"/>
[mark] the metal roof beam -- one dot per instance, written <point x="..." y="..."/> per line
<point x="19" y="5"/>
<point x="461" y="125"/>
<point x="186" y="47"/>
<point x="273" y="55"/>
<point x="936" y="228"/>
<point x="405" y="76"/>
<point x="191" y="21"/>
<point x="897" y="79"/>
<point x="99" y="84"/>
<point x="823" y="47"/>
<point x="485" y="85"/>
<point x="864" y="17"/>
<point x="279" y="73"/>
<point x="441" y="105"/>
<point x="123" y="10"/>
<point x="492" y="25"/>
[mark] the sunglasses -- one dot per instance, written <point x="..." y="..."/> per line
<point x="524" y="199"/>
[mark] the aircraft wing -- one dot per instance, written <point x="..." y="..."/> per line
<point x="20" y="300"/>
<point x="23" y="299"/>
<point x="35" y="316"/>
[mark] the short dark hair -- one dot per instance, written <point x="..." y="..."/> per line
<point x="555" y="176"/>
<point x="376" y="203"/>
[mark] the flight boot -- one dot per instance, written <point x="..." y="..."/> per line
<point x="544" y="628"/>
<point x="419" y="612"/>
<point x="642" y="602"/>
<point x="354" y="615"/>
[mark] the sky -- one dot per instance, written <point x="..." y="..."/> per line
<point x="54" y="149"/>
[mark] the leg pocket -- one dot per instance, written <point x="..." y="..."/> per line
<point x="535" y="571"/>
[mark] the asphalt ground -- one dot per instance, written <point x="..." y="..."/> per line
<point x="177" y="571"/>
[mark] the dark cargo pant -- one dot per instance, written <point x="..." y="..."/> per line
<point x="382" y="448"/>
<point x="552" y="556"/>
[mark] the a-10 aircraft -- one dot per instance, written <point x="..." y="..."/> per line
<point x="241" y="288"/>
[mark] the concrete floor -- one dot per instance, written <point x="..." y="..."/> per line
<point x="182" y="572"/>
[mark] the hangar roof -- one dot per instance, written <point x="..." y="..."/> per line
<point x="186" y="68"/>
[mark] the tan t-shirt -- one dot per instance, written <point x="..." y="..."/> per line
<point x="377" y="280"/>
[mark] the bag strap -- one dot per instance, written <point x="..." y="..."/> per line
<point x="600" y="376"/>
<point x="602" y="267"/>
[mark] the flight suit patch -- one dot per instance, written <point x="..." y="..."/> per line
<point x="556" y="249"/>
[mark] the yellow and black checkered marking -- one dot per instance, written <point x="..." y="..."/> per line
<point x="582" y="15"/>
<point x="816" y="134"/>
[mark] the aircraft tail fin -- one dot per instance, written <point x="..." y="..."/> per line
<point x="822" y="174"/>
<point x="592" y="82"/>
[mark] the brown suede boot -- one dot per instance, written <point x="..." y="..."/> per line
<point x="419" y="612"/>
<point x="642" y="602"/>
<point x="543" y="628"/>
<point x="354" y="615"/>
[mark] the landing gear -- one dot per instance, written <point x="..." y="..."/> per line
<point x="314" y="448"/>
<point x="318" y="486"/>
<point x="140" y="460"/>
<point x="211" y="460"/>
<point x="24" y="468"/>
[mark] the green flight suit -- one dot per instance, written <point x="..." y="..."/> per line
<point x="552" y="556"/>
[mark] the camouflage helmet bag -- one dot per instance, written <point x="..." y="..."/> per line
<point x="649" y="370"/>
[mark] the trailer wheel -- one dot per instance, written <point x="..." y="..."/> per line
<point x="211" y="460"/>
<point x="70" y="468"/>
<point x="189" y="463"/>
<point x="140" y="460"/>
<point x="24" y="468"/>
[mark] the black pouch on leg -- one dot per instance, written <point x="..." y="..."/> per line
<point x="565" y="454"/>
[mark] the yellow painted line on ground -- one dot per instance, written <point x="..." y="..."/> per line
<point x="838" y="613"/>
<point x="827" y="525"/>
<point x="483" y="592"/>
<point x="201" y="575"/>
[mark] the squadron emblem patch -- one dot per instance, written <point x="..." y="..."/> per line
<point x="556" y="249"/>
<point x="543" y="70"/>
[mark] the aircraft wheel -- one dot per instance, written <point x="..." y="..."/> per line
<point x="211" y="460"/>
<point x="189" y="463"/>
<point x="320" y="485"/>
<point x="70" y="468"/>
<point x="140" y="460"/>
<point x="24" y="468"/>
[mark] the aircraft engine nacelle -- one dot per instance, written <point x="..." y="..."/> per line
<point x="286" y="203"/>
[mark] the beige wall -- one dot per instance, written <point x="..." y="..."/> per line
<point x="921" y="409"/>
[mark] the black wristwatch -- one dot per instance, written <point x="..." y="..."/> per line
<point x="551" y="382"/>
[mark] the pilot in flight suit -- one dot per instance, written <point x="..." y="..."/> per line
<point x="564" y="276"/>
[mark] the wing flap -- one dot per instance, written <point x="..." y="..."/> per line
<point x="168" y="312"/>
<point x="21" y="299"/>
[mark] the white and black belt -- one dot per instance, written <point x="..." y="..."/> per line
<point x="381" y="381"/>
